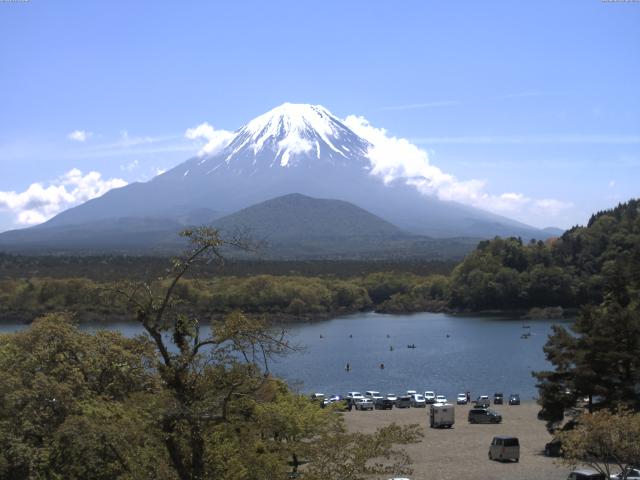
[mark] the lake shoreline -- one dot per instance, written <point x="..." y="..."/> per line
<point x="281" y="318"/>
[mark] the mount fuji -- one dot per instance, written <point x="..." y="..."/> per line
<point x="294" y="148"/>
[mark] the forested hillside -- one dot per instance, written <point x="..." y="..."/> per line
<point x="573" y="270"/>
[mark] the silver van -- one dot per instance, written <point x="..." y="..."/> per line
<point x="504" y="448"/>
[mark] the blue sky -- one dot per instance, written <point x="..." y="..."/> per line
<point x="536" y="100"/>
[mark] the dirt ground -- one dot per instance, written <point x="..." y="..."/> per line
<point x="461" y="452"/>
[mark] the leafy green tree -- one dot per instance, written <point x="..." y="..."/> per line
<point x="348" y="456"/>
<point x="603" y="439"/>
<point x="598" y="359"/>
<point x="52" y="378"/>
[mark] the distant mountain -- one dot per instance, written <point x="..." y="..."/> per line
<point x="292" y="148"/>
<point x="298" y="226"/>
<point x="297" y="217"/>
<point x="127" y="235"/>
<point x="554" y="231"/>
<point x="293" y="226"/>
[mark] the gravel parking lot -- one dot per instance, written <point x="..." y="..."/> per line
<point x="461" y="452"/>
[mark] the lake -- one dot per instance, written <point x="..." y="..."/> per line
<point x="453" y="354"/>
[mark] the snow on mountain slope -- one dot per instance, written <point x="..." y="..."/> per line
<point x="287" y="136"/>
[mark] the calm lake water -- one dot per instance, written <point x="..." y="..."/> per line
<point x="453" y="354"/>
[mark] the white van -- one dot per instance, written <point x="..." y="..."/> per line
<point x="504" y="448"/>
<point x="441" y="415"/>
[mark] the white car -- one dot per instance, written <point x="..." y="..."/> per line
<point x="632" y="474"/>
<point x="393" y="397"/>
<point x="417" y="401"/>
<point x="430" y="397"/>
<point x="461" y="399"/>
<point x="372" y="395"/>
<point x="354" y="396"/>
<point x="441" y="399"/>
<point x="364" y="404"/>
<point x="411" y="392"/>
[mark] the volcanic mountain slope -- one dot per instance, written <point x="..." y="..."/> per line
<point x="292" y="148"/>
<point x="289" y="227"/>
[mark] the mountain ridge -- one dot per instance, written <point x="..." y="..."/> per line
<point x="292" y="148"/>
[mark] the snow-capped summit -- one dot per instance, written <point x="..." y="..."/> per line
<point x="290" y="135"/>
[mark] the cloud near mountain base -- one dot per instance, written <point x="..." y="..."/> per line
<point x="397" y="159"/>
<point x="39" y="203"/>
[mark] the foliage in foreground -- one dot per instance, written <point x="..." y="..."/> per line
<point x="597" y="359"/>
<point x="603" y="439"/>
<point x="75" y="405"/>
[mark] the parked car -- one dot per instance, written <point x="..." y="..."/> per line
<point x="333" y="398"/>
<point x="553" y="448"/>
<point x="341" y="401"/>
<point x="504" y="448"/>
<point x="498" y="398"/>
<point x="411" y="392"/>
<point x="383" y="404"/>
<point x="403" y="402"/>
<point x="372" y="395"/>
<point x="514" y="399"/>
<point x="586" y="474"/>
<point x="632" y="473"/>
<point x="364" y="404"/>
<point x="462" y="399"/>
<point x="482" y="401"/>
<point x="417" y="401"/>
<point x="429" y="396"/>
<point x="484" y="415"/>
<point x="393" y="397"/>
<point x="441" y="399"/>
<point x="354" y="396"/>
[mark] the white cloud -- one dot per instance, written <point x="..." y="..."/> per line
<point x="216" y="140"/>
<point x="397" y="159"/>
<point x="79" y="135"/>
<point x="129" y="167"/>
<point x="39" y="203"/>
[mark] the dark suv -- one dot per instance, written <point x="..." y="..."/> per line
<point x="498" y="398"/>
<point x="514" y="399"/>
<point x="484" y="415"/>
<point x="383" y="404"/>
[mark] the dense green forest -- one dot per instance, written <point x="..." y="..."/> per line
<point x="573" y="270"/>
<point x="501" y="274"/>
<point x="280" y="297"/>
